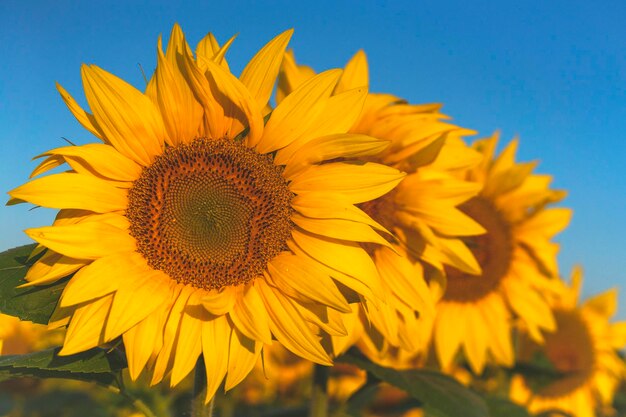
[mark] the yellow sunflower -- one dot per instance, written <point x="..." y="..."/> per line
<point x="582" y="349"/>
<point x="18" y="337"/>
<point x="518" y="262"/>
<point x="195" y="228"/>
<point x="421" y="212"/>
<point x="287" y="378"/>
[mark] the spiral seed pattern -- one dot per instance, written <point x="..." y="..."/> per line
<point x="210" y="213"/>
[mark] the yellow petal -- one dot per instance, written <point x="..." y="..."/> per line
<point x="355" y="74"/>
<point x="405" y="279"/>
<point x="218" y="302"/>
<point x="73" y="216"/>
<point x="506" y="159"/>
<point x="182" y="114"/>
<point x="504" y="182"/>
<point x="291" y="76"/>
<point x="338" y="116"/>
<point x="546" y="222"/>
<point x="250" y="316"/>
<point x="290" y="328"/>
<point x="346" y="257"/>
<point x="384" y="318"/>
<point x="427" y="186"/>
<point x="208" y="49"/>
<point x="259" y="76"/>
<point x="330" y="147"/>
<point x="455" y="253"/>
<point x="456" y="155"/>
<point x="496" y="317"/>
<point x="216" y="125"/>
<point x="321" y="316"/>
<point x="476" y="336"/>
<point x="138" y="352"/>
<point x="243" y="354"/>
<point x="449" y="332"/>
<point x="68" y="190"/>
<point x="303" y="280"/>
<point x="128" y="119"/>
<point x="141" y="283"/>
<point x="165" y="359"/>
<point x="99" y="160"/>
<point x="617" y="335"/>
<point x="87" y="240"/>
<point x="354" y="286"/>
<point x="237" y="103"/>
<point x="349" y="182"/>
<point x="51" y="267"/>
<point x="215" y="348"/>
<point x="320" y="206"/>
<point x="84" y="118"/>
<point x="86" y="329"/>
<point x="604" y="304"/>
<point x="188" y="344"/>
<point x="446" y="219"/>
<point x="46" y="165"/>
<point x="295" y="115"/>
<point x="339" y="229"/>
<point x="176" y="45"/>
<point x="530" y="306"/>
<point x="101" y="277"/>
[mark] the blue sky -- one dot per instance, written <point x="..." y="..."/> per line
<point x="553" y="73"/>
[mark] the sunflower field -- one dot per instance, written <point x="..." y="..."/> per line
<point x="286" y="242"/>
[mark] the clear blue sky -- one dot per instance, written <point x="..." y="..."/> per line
<point x="553" y="72"/>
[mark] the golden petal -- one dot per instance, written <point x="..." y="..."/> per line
<point x="69" y="190"/>
<point x="128" y="118"/>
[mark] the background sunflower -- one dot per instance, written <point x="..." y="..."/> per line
<point x="582" y="355"/>
<point x="517" y="257"/>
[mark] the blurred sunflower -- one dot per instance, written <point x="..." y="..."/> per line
<point x="281" y="376"/>
<point x="18" y="337"/>
<point x="421" y="212"/>
<point x="582" y="351"/>
<point x="190" y="226"/>
<point x="518" y="261"/>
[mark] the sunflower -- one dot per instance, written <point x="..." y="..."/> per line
<point x="18" y="337"/>
<point x="582" y="351"/>
<point x="195" y="228"/>
<point x="288" y="378"/>
<point x="421" y="213"/>
<point x="518" y="262"/>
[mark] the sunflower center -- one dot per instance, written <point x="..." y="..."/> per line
<point x="493" y="251"/>
<point x="210" y="213"/>
<point x="570" y="349"/>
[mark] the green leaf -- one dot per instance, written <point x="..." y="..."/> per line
<point x="95" y="365"/>
<point x="360" y="399"/>
<point x="501" y="407"/>
<point x="34" y="304"/>
<point x="440" y="395"/>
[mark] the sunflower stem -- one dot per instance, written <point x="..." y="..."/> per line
<point x="198" y="406"/>
<point x="136" y="402"/>
<point x="319" y="394"/>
